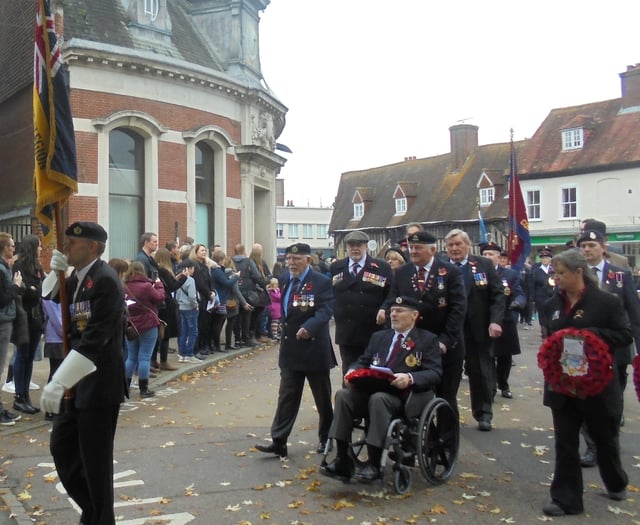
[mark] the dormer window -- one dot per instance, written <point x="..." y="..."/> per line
<point x="151" y="8"/>
<point x="487" y="195"/>
<point x="401" y="205"/>
<point x="358" y="210"/>
<point x="572" y="139"/>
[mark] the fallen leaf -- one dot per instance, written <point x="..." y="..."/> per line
<point x="295" y="504"/>
<point x="233" y="508"/>
<point x="342" y="504"/>
<point x="24" y="495"/>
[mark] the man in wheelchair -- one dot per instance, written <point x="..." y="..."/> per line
<point x="413" y="358"/>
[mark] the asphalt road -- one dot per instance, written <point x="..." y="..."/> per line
<point x="187" y="456"/>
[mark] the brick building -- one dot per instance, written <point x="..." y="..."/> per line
<point x="175" y="126"/>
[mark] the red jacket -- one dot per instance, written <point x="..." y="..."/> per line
<point x="148" y="296"/>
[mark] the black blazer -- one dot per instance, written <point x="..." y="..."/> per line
<point x="626" y="292"/>
<point x="515" y="298"/>
<point x="358" y="299"/>
<point x="540" y="287"/>
<point x="95" y="330"/>
<point x="442" y="303"/>
<point x="485" y="298"/>
<point x="602" y="313"/>
<point x="313" y="312"/>
<point x="426" y="375"/>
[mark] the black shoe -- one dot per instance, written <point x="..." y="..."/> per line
<point x="322" y="446"/>
<point x="275" y="448"/>
<point x="221" y="350"/>
<point x="590" y="458"/>
<point x="368" y="473"/>
<point x="200" y="355"/>
<point x="48" y="416"/>
<point x="21" y="405"/>
<point x="339" y="468"/>
<point x="617" y="496"/>
<point x="553" y="509"/>
<point x="506" y="393"/>
<point x="228" y="348"/>
<point x="484" y="426"/>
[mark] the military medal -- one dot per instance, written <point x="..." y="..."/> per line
<point x="505" y="284"/>
<point x="411" y="361"/>
<point x="551" y="281"/>
<point x="440" y="283"/>
<point x="619" y="279"/>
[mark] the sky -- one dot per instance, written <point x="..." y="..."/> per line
<point x="370" y="82"/>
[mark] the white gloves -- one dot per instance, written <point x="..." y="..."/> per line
<point x="50" y="285"/>
<point x="74" y="367"/>
<point x="59" y="262"/>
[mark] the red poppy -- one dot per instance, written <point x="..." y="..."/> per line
<point x="88" y="284"/>
<point x="374" y="265"/>
<point x="599" y="372"/>
<point x="611" y="275"/>
<point x="306" y="288"/>
<point x="442" y="271"/>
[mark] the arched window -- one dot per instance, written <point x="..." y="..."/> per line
<point x="204" y="194"/>
<point x="126" y="192"/>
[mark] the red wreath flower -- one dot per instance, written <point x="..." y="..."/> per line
<point x="636" y="375"/>
<point x="598" y="374"/>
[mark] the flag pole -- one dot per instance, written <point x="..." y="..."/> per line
<point x="62" y="280"/>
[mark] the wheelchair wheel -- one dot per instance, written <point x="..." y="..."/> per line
<point x="401" y="479"/>
<point x="438" y="440"/>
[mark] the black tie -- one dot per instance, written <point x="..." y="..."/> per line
<point x="71" y="286"/>
<point x="292" y="292"/>
<point x="355" y="269"/>
<point x="595" y="270"/>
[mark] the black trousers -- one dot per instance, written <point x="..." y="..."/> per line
<point x="450" y="383"/>
<point x="82" y="449"/>
<point x="567" y="485"/>
<point x="479" y="368"/>
<point x="349" y="354"/>
<point x="290" y="397"/>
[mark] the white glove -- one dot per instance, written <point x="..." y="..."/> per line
<point x="59" y="262"/>
<point x="74" y="367"/>
<point x="50" y="285"/>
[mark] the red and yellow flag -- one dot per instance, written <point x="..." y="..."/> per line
<point x="56" y="174"/>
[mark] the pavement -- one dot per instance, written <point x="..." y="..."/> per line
<point x="198" y="458"/>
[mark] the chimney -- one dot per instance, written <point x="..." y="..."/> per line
<point x="630" y="84"/>
<point x="464" y="139"/>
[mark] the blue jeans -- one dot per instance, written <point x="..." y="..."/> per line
<point x="139" y="353"/>
<point x="188" y="332"/>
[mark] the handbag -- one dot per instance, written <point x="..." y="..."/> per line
<point x="130" y="330"/>
<point x="232" y="303"/>
<point x="258" y="297"/>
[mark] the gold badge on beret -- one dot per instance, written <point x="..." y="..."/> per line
<point x="411" y="361"/>
<point x="294" y="249"/>
<point x="592" y="236"/>
<point x="398" y="300"/>
<point x="77" y="230"/>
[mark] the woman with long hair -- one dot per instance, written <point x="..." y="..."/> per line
<point x="143" y="296"/>
<point x="223" y="283"/>
<point x="577" y="302"/>
<point x="206" y="293"/>
<point x="168" y="312"/>
<point x="235" y="303"/>
<point x="28" y="264"/>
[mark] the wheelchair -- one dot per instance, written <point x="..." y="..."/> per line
<point x="427" y="436"/>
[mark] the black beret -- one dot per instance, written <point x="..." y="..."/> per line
<point x="422" y="237"/>
<point x="490" y="246"/>
<point x="87" y="230"/>
<point x="591" y="235"/>
<point x="545" y="252"/>
<point x="406" y="301"/>
<point x="298" y="248"/>
<point x="594" y="225"/>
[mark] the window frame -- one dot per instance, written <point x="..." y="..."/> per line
<point x="322" y="231"/>
<point x="280" y="230"/>
<point x="529" y="205"/>
<point x="358" y="210"/>
<point x="307" y="231"/>
<point x="572" y="139"/>
<point x="293" y="231"/>
<point x="564" y="204"/>
<point x="401" y="205"/>
<point x="487" y="196"/>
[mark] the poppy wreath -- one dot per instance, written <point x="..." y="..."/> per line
<point x="599" y="373"/>
<point x="369" y="379"/>
<point x="636" y="374"/>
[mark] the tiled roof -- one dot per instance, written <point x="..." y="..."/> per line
<point x="440" y="194"/>
<point x="610" y="139"/>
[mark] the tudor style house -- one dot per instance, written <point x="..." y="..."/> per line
<point x="583" y="161"/>
<point x="175" y="126"/>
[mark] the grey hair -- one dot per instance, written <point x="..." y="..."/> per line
<point x="456" y="231"/>
<point x="573" y="260"/>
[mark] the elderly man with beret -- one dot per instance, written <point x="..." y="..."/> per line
<point x="305" y="348"/>
<point x="360" y="284"/>
<point x="414" y="357"/>
<point x="92" y="374"/>
<point x="438" y="287"/>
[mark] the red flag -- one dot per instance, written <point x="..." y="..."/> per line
<point x="55" y="176"/>
<point x="519" y="238"/>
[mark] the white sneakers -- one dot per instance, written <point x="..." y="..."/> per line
<point x="10" y="387"/>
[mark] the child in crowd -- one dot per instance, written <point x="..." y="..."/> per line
<point x="53" y="348"/>
<point x="187" y="299"/>
<point x="274" y="308"/>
